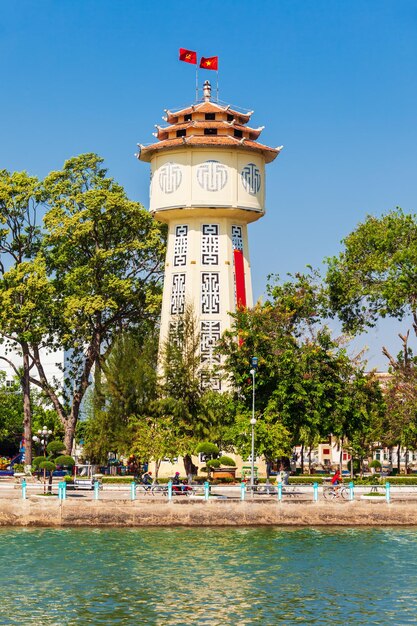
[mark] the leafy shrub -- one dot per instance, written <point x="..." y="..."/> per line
<point x="375" y="464"/>
<point x="306" y="479"/>
<point x="356" y="466"/>
<point x="213" y="463"/>
<point x="19" y="467"/>
<point x="37" y="460"/>
<point x="54" y="447"/>
<point x="65" y="460"/>
<point x="222" y="481"/>
<point x="47" y="465"/>
<point x="68" y="478"/>
<point x="205" y="447"/>
<point x="227" y="461"/>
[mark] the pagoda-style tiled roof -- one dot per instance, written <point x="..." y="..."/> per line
<point x="207" y="124"/>
<point x="208" y="107"/>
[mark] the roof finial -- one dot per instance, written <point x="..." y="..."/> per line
<point x="206" y="91"/>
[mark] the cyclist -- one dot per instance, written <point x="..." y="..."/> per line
<point x="337" y="478"/>
<point x="147" y="480"/>
<point x="176" y="482"/>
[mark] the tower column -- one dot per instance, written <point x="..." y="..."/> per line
<point x="207" y="184"/>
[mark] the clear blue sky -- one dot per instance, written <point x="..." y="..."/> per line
<point x="335" y="82"/>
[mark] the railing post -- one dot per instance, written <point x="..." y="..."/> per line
<point x="206" y="490"/>
<point x="351" y="491"/>
<point x="170" y="491"/>
<point x="60" y="490"/>
<point x="315" y="492"/>
<point x="64" y="490"/>
<point x="242" y="491"/>
<point x="96" y="489"/>
<point x="133" y="490"/>
<point x="23" y="489"/>
<point x="387" y="492"/>
<point x="280" y="492"/>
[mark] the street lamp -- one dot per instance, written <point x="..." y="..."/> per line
<point x="42" y="438"/>
<point x="252" y="423"/>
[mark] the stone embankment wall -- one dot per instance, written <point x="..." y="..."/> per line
<point x="50" y="512"/>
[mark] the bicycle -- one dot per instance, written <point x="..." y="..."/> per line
<point x="334" y="492"/>
<point x="177" y="490"/>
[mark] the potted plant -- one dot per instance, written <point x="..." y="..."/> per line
<point x="223" y="467"/>
<point x="375" y="466"/>
<point x="49" y="463"/>
<point x="220" y="465"/>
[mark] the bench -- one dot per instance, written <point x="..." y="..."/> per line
<point x="83" y="483"/>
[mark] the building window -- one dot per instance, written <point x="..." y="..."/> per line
<point x="326" y="451"/>
<point x="181" y="133"/>
<point x="187" y="118"/>
<point x="230" y="117"/>
<point x="210" y="131"/>
<point x="210" y="116"/>
<point x="238" y="133"/>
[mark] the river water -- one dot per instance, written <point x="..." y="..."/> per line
<point x="228" y="577"/>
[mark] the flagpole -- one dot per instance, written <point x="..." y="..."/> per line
<point x="217" y="85"/>
<point x="196" y="82"/>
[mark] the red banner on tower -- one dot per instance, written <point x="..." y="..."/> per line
<point x="209" y="63"/>
<point x="188" y="56"/>
<point x="240" y="279"/>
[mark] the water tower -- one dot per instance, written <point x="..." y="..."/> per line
<point x="207" y="184"/>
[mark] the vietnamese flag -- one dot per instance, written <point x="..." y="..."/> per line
<point x="188" y="56"/>
<point x="209" y="63"/>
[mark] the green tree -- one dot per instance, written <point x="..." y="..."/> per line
<point x="184" y="394"/>
<point x="130" y="388"/>
<point x="105" y="256"/>
<point x="375" y="276"/>
<point x="24" y="288"/>
<point x="304" y="374"/>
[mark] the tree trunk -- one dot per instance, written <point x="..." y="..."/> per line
<point x="399" y="458"/>
<point x="189" y="467"/>
<point x="157" y="466"/>
<point x="69" y="433"/>
<point x="27" y="409"/>
<point x="406" y="461"/>
<point x="309" y="459"/>
<point x="341" y="456"/>
<point x="302" y="459"/>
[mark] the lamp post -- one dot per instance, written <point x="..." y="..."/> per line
<point x="253" y="422"/>
<point x="42" y="438"/>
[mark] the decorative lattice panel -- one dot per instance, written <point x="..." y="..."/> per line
<point x="178" y="294"/>
<point x="170" y="177"/>
<point x="209" y="336"/>
<point x="210" y="244"/>
<point x="210" y="292"/>
<point x="251" y="179"/>
<point x="180" y="245"/>
<point x="212" y="175"/>
<point x="237" y="239"/>
<point x="211" y="381"/>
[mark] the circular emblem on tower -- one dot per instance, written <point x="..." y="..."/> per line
<point x="170" y="177"/>
<point x="251" y="179"/>
<point x="212" y="175"/>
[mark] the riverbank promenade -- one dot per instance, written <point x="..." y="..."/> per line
<point x="124" y="506"/>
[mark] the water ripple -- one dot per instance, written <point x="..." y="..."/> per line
<point x="177" y="576"/>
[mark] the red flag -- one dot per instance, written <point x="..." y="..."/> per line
<point x="209" y="63"/>
<point x="189" y="56"/>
